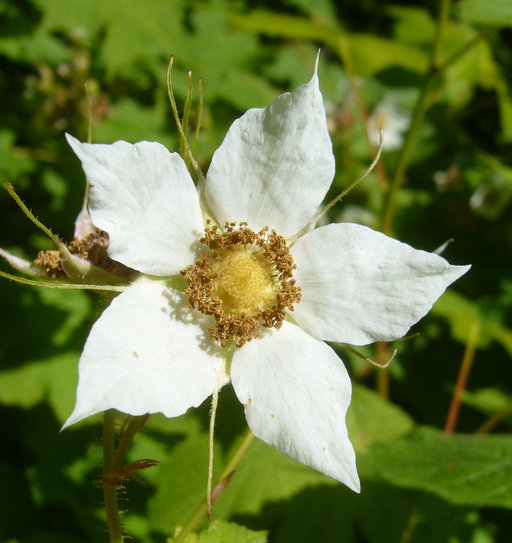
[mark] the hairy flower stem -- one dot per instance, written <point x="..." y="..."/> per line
<point x="112" y="461"/>
<point x="10" y="189"/>
<point x="110" y="491"/>
<point x="200" y="513"/>
<point x="465" y="368"/>
<point x="61" y="285"/>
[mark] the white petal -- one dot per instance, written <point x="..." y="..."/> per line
<point x="275" y="164"/>
<point x="296" y="392"/>
<point x="144" y="197"/>
<point x="360" y="286"/>
<point x="147" y="353"/>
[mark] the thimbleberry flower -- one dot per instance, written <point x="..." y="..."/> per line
<point x="231" y="289"/>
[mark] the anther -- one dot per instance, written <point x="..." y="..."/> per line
<point x="244" y="280"/>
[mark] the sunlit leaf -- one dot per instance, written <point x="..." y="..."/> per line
<point x="487" y="12"/>
<point x="489" y="401"/>
<point x="81" y="20"/>
<point x="392" y="54"/>
<point x="476" y="67"/>
<point x="462" y="314"/>
<point x="286" y="26"/>
<point x="35" y="47"/>
<point x="76" y="305"/>
<point x="219" y="531"/>
<point x="264" y="475"/>
<point x="182" y="477"/>
<point x="54" y="379"/>
<point x="319" y="8"/>
<point x="131" y="121"/>
<point x="371" y="419"/>
<point x="412" y="24"/>
<point x="471" y="470"/>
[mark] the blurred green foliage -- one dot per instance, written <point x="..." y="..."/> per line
<point x="419" y="484"/>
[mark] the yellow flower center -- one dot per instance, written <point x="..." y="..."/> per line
<point x="244" y="280"/>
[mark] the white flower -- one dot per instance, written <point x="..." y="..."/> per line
<point x="392" y="121"/>
<point x="149" y="352"/>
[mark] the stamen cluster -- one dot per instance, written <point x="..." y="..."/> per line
<point x="268" y="253"/>
<point x="92" y="248"/>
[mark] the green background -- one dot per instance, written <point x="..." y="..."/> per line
<point x="419" y="484"/>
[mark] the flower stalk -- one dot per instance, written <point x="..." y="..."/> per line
<point x="110" y="490"/>
<point x="61" y="285"/>
<point x="113" y="472"/>
<point x="213" y="413"/>
<point x="10" y="189"/>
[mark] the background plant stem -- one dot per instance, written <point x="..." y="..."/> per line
<point x="465" y="368"/>
<point x="417" y="118"/>
<point x="200" y="513"/>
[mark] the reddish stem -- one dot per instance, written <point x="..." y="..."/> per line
<point x="465" y="368"/>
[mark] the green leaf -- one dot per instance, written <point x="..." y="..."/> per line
<point x="53" y="379"/>
<point x="413" y="25"/>
<point x="473" y="470"/>
<point x="81" y="19"/>
<point x="144" y="34"/>
<point x="462" y="314"/>
<point x="505" y="103"/>
<point x="222" y="60"/>
<point x="318" y="9"/>
<point x="264" y="475"/>
<point x="14" y="163"/>
<point x="286" y="26"/>
<point x="182" y="477"/>
<point x="131" y="121"/>
<point x="37" y="47"/>
<point x="389" y="513"/>
<point x="487" y="12"/>
<point x="294" y="66"/>
<point x="372" y="54"/>
<point x="371" y="419"/>
<point x="242" y="90"/>
<point x="75" y="304"/>
<point x="489" y="401"/>
<point x="220" y="531"/>
<point x="476" y="67"/>
<point x="362" y="46"/>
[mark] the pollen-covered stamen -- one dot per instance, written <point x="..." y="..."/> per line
<point x="92" y="247"/>
<point x="244" y="281"/>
